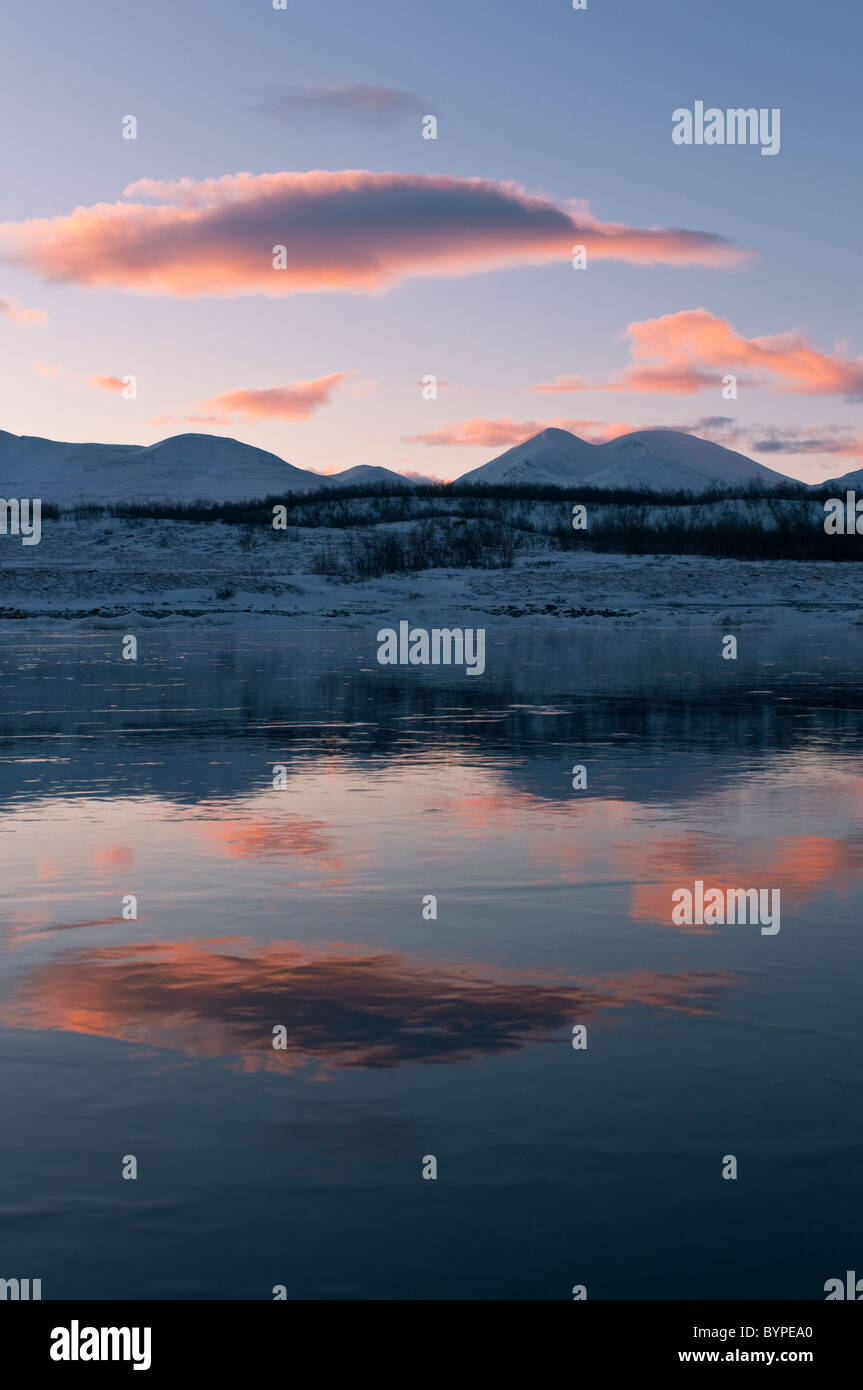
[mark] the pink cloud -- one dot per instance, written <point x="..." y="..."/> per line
<point x="501" y="433"/>
<point x="45" y="370"/>
<point x="364" y="387"/>
<point x="220" y="421"/>
<point x="669" y="381"/>
<point x="295" y="402"/>
<point x="106" y="383"/>
<point x="12" y="310"/>
<point x="690" y="351"/>
<point x="419" y="477"/>
<point x="350" y="230"/>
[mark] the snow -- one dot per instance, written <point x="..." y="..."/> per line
<point x="116" y="573"/>
<point x="189" y="467"/>
<point x="184" y="468"/>
<point x="367" y="473"/>
<point x="657" y="459"/>
<point x="849" y="482"/>
<point x="94" y="571"/>
<point x="553" y="456"/>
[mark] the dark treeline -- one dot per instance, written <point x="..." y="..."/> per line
<point x="731" y="538"/>
<point x="479" y="525"/>
<point x="390" y="500"/>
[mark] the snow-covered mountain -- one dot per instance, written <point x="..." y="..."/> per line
<point x="671" y="459"/>
<point x="367" y="473"/>
<point x="180" y="469"/>
<point x="847" y="482"/>
<point x="183" y="468"/>
<point x="662" y="460"/>
<point x="553" y="456"/>
<point x="191" y="466"/>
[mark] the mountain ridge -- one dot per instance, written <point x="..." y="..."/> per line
<point x="192" y="466"/>
<point x="659" y="459"/>
<point x="183" y="467"/>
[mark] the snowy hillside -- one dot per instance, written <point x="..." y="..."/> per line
<point x="367" y="473"/>
<point x="187" y="467"/>
<point x="658" y="459"/>
<point x="846" y="482"/>
<point x="183" y="468"/>
<point x="554" y="456"/>
<point x="106" y="572"/>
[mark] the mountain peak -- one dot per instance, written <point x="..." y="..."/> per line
<point x="552" y="456"/>
<point x="181" y="468"/>
<point x="554" y="432"/>
<point x="656" y="459"/>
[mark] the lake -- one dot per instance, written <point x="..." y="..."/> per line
<point x="305" y="908"/>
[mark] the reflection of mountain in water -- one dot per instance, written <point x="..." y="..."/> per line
<point x="207" y="717"/>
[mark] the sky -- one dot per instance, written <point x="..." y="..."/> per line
<point x="407" y="258"/>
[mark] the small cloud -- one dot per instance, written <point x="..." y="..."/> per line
<point x="839" y="440"/>
<point x="715" y="422"/>
<point x="684" y="353"/>
<point x="491" y="433"/>
<point x="420" y="477"/>
<point x="349" y="102"/>
<point x="800" y="439"/>
<point x="564" y="385"/>
<point x="663" y="381"/>
<point x="12" y="310"/>
<point x="106" y="383"/>
<point x="45" y="370"/>
<point x="502" y="433"/>
<point x="219" y="421"/>
<point x="296" y="402"/>
<point x="364" y="387"/>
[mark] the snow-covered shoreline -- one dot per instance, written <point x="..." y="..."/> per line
<point x="109" y="572"/>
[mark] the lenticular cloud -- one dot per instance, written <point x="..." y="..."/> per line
<point x="349" y="231"/>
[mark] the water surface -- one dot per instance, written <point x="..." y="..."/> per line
<point x="301" y="906"/>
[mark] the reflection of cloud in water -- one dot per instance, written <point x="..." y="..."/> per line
<point x="800" y="866"/>
<point x="608" y="847"/>
<point x="342" y="1005"/>
<point x="113" y="858"/>
<point x="285" y="836"/>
